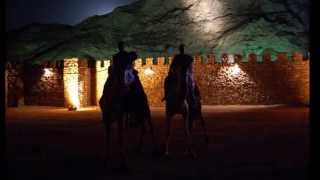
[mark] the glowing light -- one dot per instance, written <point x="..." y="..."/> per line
<point x="71" y="83"/>
<point x="231" y="58"/>
<point x="234" y="70"/>
<point x="149" y="72"/>
<point x="101" y="77"/>
<point x="206" y="15"/>
<point x="47" y="72"/>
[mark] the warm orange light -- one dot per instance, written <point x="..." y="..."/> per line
<point x="101" y="76"/>
<point x="149" y="72"/>
<point x="234" y="70"/>
<point x="71" y="82"/>
<point x="47" y="72"/>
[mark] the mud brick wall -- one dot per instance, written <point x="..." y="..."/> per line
<point x="14" y="85"/>
<point x="41" y="88"/>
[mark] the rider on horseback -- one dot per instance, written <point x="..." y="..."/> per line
<point x="182" y="63"/>
<point x="115" y="82"/>
<point x="182" y="97"/>
<point x="124" y="100"/>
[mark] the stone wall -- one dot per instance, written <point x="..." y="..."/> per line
<point x="284" y="81"/>
<point x="44" y="84"/>
<point x="253" y="82"/>
<point x="15" y="87"/>
<point x="153" y="83"/>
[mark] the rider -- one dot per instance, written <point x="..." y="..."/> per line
<point x="116" y="77"/>
<point x="119" y="60"/>
<point x="183" y="63"/>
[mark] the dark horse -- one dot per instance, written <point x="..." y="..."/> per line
<point x="179" y="101"/>
<point x="125" y="104"/>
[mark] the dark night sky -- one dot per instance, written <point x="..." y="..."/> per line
<point x="22" y="12"/>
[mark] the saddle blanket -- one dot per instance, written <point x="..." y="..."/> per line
<point x="128" y="76"/>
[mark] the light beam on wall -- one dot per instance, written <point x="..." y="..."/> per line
<point x="47" y="72"/>
<point x="231" y="59"/>
<point x="234" y="70"/>
<point x="149" y="71"/>
<point x="71" y="83"/>
<point x="101" y="76"/>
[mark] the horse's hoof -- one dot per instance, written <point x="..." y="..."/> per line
<point x="207" y="140"/>
<point x="124" y="168"/>
<point x="107" y="167"/>
<point x="167" y="155"/>
<point x="192" y="154"/>
<point x="138" y="150"/>
<point x="156" y="152"/>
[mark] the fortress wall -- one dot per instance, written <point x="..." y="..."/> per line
<point x="14" y="85"/>
<point x="283" y="81"/>
<point x="43" y="84"/>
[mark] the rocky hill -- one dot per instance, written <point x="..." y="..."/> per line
<point x="157" y="27"/>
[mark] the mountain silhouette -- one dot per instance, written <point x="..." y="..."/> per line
<point x="156" y="27"/>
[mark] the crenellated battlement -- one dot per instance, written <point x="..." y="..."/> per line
<point x="227" y="59"/>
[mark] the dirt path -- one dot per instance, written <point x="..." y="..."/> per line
<point x="246" y="142"/>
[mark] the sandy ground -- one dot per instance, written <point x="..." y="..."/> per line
<point x="246" y="142"/>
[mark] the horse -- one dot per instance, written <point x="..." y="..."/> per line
<point x="179" y="101"/>
<point x="123" y="104"/>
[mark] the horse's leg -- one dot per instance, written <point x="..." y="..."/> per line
<point x="187" y="129"/>
<point x="148" y="119"/>
<point x="143" y="130"/>
<point x="107" y="125"/>
<point x="204" y="129"/>
<point x="185" y="114"/>
<point x="126" y="121"/>
<point x="168" y="133"/>
<point x="107" y="129"/>
<point x="121" y="139"/>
